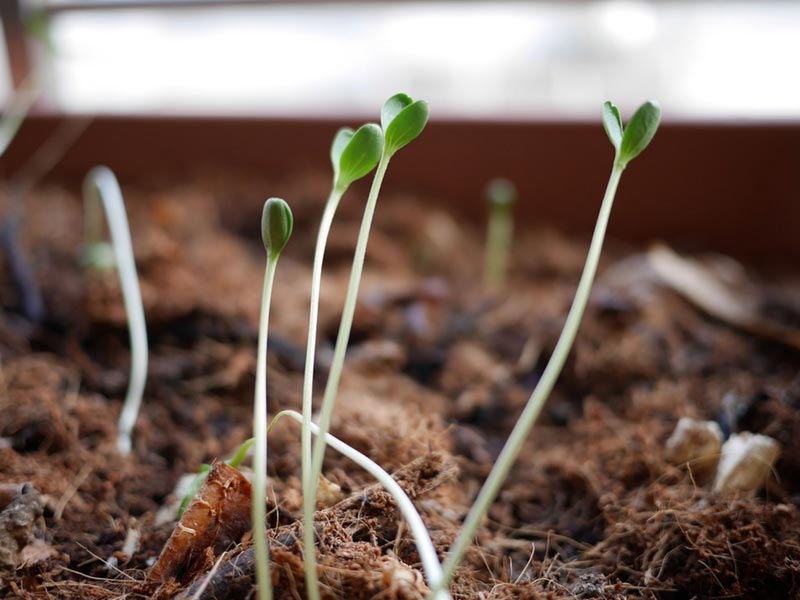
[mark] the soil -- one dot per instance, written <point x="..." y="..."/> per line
<point x="438" y="370"/>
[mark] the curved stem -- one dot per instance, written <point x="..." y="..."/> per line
<point x="259" y="518"/>
<point x="345" y="325"/>
<point x="102" y="180"/>
<point x="309" y="483"/>
<point x="425" y="548"/>
<point x="509" y="453"/>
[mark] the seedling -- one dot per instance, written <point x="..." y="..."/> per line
<point x="276" y="228"/>
<point x="628" y="144"/>
<point x="425" y="548"/>
<point x="402" y="120"/>
<point x="353" y="155"/>
<point x="101" y="187"/>
<point x="500" y="230"/>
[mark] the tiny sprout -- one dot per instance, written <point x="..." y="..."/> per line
<point x="402" y="119"/>
<point x="629" y="144"/>
<point x="631" y="141"/>
<point x="101" y="187"/>
<point x="501" y="194"/>
<point x="276" y="227"/>
<point x="355" y="153"/>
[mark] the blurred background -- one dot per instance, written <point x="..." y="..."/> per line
<point x="704" y="60"/>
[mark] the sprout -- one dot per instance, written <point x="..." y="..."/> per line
<point x="403" y="120"/>
<point x="628" y="144"/>
<point x="276" y="228"/>
<point x="500" y="229"/>
<point x="425" y="548"/>
<point x="100" y="186"/>
<point x="353" y="155"/>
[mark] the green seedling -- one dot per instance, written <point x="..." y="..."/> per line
<point x="425" y="548"/>
<point x="353" y="155"/>
<point x="101" y="188"/>
<point x="276" y="228"/>
<point x="501" y="194"/>
<point x="628" y="144"/>
<point x="235" y="461"/>
<point x="402" y="120"/>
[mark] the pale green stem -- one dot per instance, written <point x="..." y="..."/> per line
<point x="259" y="506"/>
<point x="345" y="325"/>
<point x="309" y="483"/>
<point x="425" y="548"/>
<point x="498" y="244"/>
<point x="509" y="453"/>
<point x="101" y="181"/>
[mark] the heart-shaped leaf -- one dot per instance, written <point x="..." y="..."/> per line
<point x="276" y="226"/>
<point x="640" y="131"/>
<point x="354" y="154"/>
<point x="402" y="119"/>
<point x="612" y="123"/>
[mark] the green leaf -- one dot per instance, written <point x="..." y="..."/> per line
<point x="402" y="119"/>
<point x="640" y="130"/>
<point x="340" y="141"/>
<point x="241" y="453"/>
<point x="276" y="226"/>
<point x="358" y="153"/>
<point x="612" y="123"/>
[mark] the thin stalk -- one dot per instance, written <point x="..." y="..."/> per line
<point x="500" y="230"/>
<point x="346" y="323"/>
<point x="425" y="548"/>
<point x="263" y="574"/>
<point x="111" y="196"/>
<point x="309" y="483"/>
<point x="509" y="453"/>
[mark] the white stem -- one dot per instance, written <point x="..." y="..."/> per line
<point x="425" y="547"/>
<point x="102" y="180"/>
<point x="513" y="445"/>
<point x="259" y="506"/>
<point x="309" y="484"/>
<point x="346" y="323"/>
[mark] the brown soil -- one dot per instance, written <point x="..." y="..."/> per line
<point x="438" y="369"/>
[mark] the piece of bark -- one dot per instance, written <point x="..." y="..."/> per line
<point x="218" y="514"/>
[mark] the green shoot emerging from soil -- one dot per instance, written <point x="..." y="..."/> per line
<point x="101" y="187"/>
<point x="628" y="144"/>
<point x="353" y="155"/>
<point x="276" y="227"/>
<point x="402" y="120"/>
<point x="501" y="194"/>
